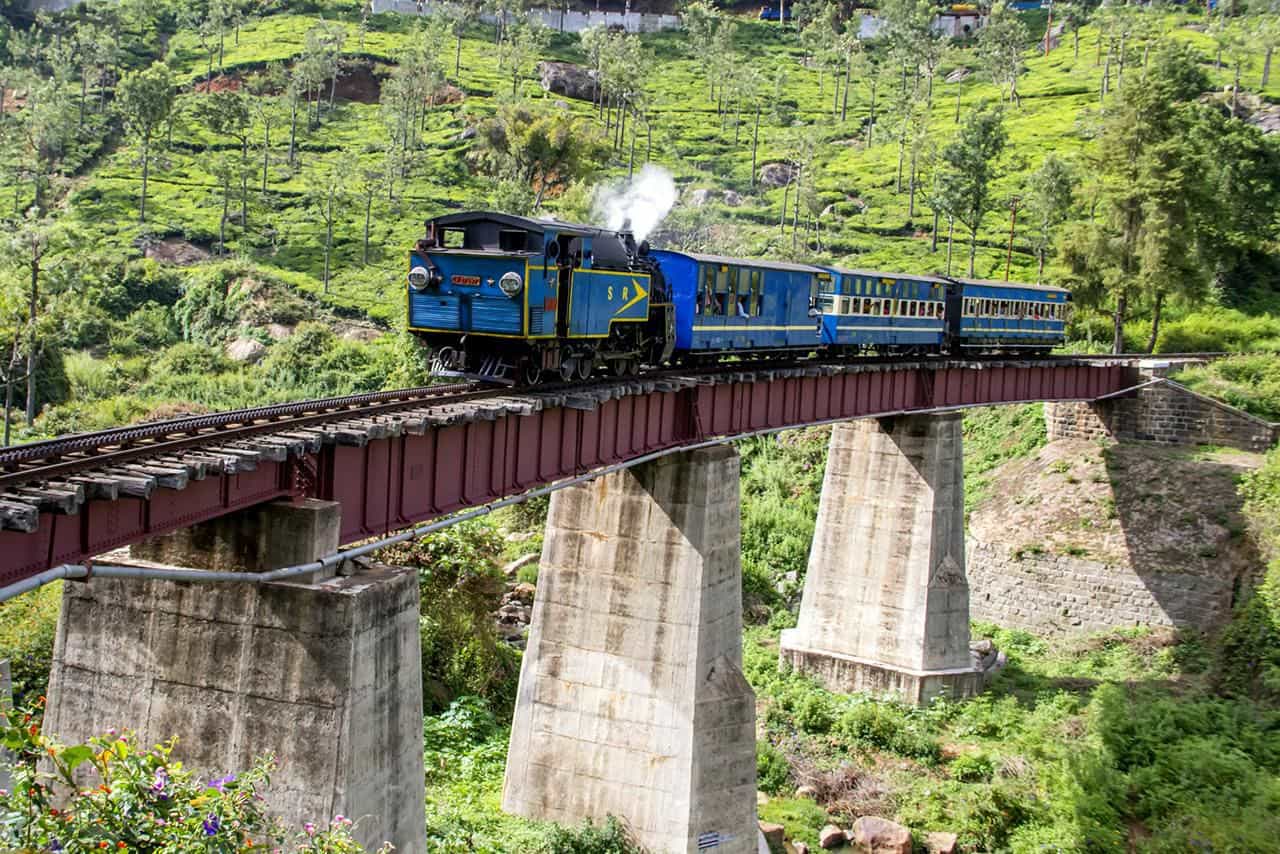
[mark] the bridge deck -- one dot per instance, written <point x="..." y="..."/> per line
<point x="392" y="466"/>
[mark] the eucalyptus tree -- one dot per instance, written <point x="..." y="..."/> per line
<point x="969" y="170"/>
<point x="1151" y="187"/>
<point x="145" y="100"/>
<point x="326" y="193"/>
<point x="523" y="41"/>
<point x="1048" y="197"/>
<point x="1000" y="45"/>
<point x="227" y="114"/>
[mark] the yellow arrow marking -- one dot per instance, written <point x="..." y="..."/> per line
<point x="641" y="293"/>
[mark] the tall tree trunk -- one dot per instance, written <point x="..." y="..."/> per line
<point x="266" y="154"/>
<point x="795" y="216"/>
<point x="951" y="234"/>
<point x="911" y="185"/>
<point x="8" y="402"/>
<point x="1235" y="91"/>
<point x="973" y="247"/>
<point x="844" y="97"/>
<point x="32" y="315"/>
<point x="226" y="211"/>
<point x="244" y="183"/>
<point x="457" y="58"/>
<point x="755" y="144"/>
<point x="293" y="129"/>
<point x="1155" y="321"/>
<point x="368" y="208"/>
<point x="786" y="194"/>
<point x="871" y="118"/>
<point x="222" y="39"/>
<point x="1120" y="62"/>
<point x="328" y="237"/>
<point x="902" y="148"/>
<point x="146" y="164"/>
<point x="631" y="158"/>
<point x="84" y="93"/>
<point x="1117" y="324"/>
<point x="1266" y="66"/>
<point x="933" y="241"/>
<point x="956" y="120"/>
<point x="1040" y="268"/>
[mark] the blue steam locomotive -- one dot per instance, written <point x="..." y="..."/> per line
<point x="514" y="299"/>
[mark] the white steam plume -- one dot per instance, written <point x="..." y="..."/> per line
<point x="638" y="204"/>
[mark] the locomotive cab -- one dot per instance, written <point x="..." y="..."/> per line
<point x="510" y="298"/>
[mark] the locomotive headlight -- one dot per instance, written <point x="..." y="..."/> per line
<point x="418" y="278"/>
<point x="510" y="284"/>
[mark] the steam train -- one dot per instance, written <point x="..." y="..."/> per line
<point x="517" y="300"/>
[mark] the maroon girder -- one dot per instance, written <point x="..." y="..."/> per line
<point x="399" y="477"/>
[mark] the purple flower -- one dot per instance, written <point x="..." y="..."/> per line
<point x="222" y="781"/>
<point x="162" y="780"/>
<point x="211" y="825"/>
<point x="55" y="845"/>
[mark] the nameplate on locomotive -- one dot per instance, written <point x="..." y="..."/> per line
<point x="465" y="280"/>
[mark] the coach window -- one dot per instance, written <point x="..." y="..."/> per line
<point x="719" y="304"/>
<point x="886" y="308"/>
<point x="757" y="296"/>
<point x="740" y="291"/>
<point x="708" y="286"/>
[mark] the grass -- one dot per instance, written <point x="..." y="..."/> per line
<point x="1251" y="383"/>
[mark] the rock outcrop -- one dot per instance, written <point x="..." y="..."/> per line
<point x="567" y="79"/>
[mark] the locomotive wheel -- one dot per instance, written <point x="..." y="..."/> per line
<point x="618" y="367"/>
<point x="531" y="373"/>
<point x="584" y="365"/>
<point x="567" y="368"/>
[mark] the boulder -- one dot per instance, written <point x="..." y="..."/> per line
<point x="831" y="837"/>
<point x="732" y="199"/>
<point x="698" y="198"/>
<point x="279" y="331"/>
<point x="246" y="350"/>
<point x="807" y="792"/>
<point x="522" y="592"/>
<point x="567" y="79"/>
<point x="774" y="834"/>
<point x="875" y="835"/>
<point x="801" y="848"/>
<point x="776" y="174"/>
<point x="467" y="133"/>
<point x="938" y="842"/>
<point x="958" y="75"/>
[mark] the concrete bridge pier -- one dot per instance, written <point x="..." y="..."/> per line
<point x="885" y="607"/>
<point x="632" y="700"/>
<point x="324" y="674"/>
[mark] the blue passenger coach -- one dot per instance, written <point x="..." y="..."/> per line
<point x="890" y="312"/>
<point x="1008" y="315"/>
<point x="741" y="304"/>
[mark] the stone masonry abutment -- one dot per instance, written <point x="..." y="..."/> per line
<point x="632" y="700"/>
<point x="885" y="606"/>
<point x="326" y="675"/>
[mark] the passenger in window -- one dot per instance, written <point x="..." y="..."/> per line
<point x="742" y="307"/>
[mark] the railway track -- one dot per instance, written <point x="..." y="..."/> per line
<point x="61" y="474"/>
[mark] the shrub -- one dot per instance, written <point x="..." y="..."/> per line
<point x="1251" y="383"/>
<point x="609" y="838"/>
<point x="773" y="774"/>
<point x="111" y="793"/>
<point x="972" y="768"/>
<point x="28" y="624"/>
<point x="460" y="589"/>
<point x="884" y="726"/>
<point x="1220" y="331"/>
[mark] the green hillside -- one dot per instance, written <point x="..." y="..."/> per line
<point x="228" y="188"/>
